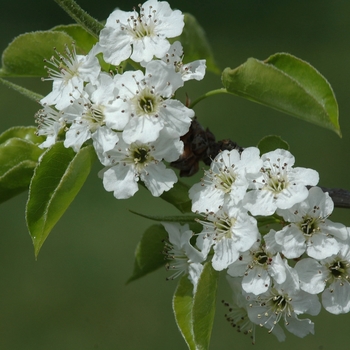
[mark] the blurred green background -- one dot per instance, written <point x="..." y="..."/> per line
<point x="74" y="296"/>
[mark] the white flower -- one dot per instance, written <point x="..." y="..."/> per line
<point x="145" y="102"/>
<point x="69" y="73"/>
<point x="193" y="70"/>
<point x="309" y="229"/>
<point x="330" y="275"/>
<point x="284" y="302"/>
<point x="186" y="258"/>
<point x="140" y="36"/>
<point x="50" y="124"/>
<point x="230" y="231"/>
<point x="128" y="163"/>
<point x="88" y="115"/>
<point x="279" y="185"/>
<point x="226" y="181"/>
<point x="258" y="266"/>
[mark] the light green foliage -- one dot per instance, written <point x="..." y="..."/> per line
<point x="195" y="314"/>
<point x="182" y="307"/>
<point x="56" y="181"/>
<point x="148" y="254"/>
<point x="270" y="143"/>
<point x="84" y="40"/>
<point x="19" y="154"/>
<point x="288" y="84"/>
<point x="24" y="56"/>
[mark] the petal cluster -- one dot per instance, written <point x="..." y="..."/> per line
<point x="131" y="117"/>
<point x="238" y="196"/>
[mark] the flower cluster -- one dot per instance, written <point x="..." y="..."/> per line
<point x="275" y="275"/>
<point x="135" y="125"/>
<point x="131" y="117"/>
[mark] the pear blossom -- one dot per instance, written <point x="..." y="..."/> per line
<point x="309" y="228"/>
<point x="284" y="302"/>
<point x="193" y="70"/>
<point x="140" y="36"/>
<point x="329" y="276"/>
<point x="230" y="231"/>
<point x="126" y="164"/>
<point x="145" y="101"/>
<point x="69" y="74"/>
<point x="186" y="258"/>
<point x="227" y="180"/>
<point x="259" y="268"/>
<point x="50" y="124"/>
<point x="88" y="114"/>
<point x="279" y="184"/>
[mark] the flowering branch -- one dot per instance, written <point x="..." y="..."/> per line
<point x="134" y="125"/>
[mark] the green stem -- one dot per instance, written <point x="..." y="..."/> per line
<point x="28" y="93"/>
<point x="92" y="25"/>
<point x="208" y="94"/>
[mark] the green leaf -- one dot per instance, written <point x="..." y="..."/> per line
<point x="84" y="40"/>
<point x="57" y="179"/>
<point x="22" y="132"/>
<point x="14" y="151"/>
<point x="178" y="197"/>
<point x="149" y="252"/>
<point x="16" y="180"/>
<point x="204" y="306"/>
<point x="19" y="154"/>
<point x="272" y="142"/>
<point x="194" y="315"/>
<point x="195" y="44"/>
<point x="288" y="84"/>
<point x="24" y="56"/>
<point x="182" y="307"/>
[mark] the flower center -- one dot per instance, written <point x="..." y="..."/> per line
<point x="143" y="24"/>
<point x="277" y="306"/>
<point x="338" y="269"/>
<point x="222" y="180"/>
<point x="275" y="177"/>
<point x="309" y="226"/>
<point x="222" y="227"/>
<point x="261" y="258"/>
<point x="140" y="155"/>
<point x="146" y="102"/>
<point x="94" y="116"/>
